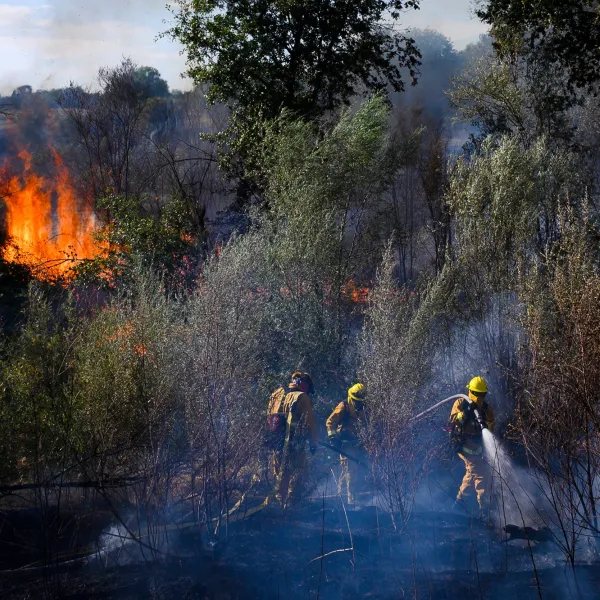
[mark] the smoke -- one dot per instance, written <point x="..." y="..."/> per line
<point x="453" y="19"/>
<point x="49" y="45"/>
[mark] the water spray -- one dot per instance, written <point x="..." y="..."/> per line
<point x="515" y="501"/>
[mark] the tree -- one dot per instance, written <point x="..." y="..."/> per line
<point x="308" y="56"/>
<point x="439" y="60"/>
<point x="108" y="128"/>
<point x="562" y="32"/>
<point x="518" y="95"/>
<point x="149" y="83"/>
<point x="142" y="163"/>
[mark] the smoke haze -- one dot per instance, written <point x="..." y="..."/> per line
<point x="49" y="45"/>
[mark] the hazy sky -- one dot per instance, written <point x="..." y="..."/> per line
<point x="49" y="43"/>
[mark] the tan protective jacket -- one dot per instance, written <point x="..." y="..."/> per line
<point x="344" y="420"/>
<point x="304" y="417"/>
<point x="468" y="428"/>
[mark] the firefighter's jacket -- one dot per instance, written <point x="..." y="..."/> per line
<point x="466" y="427"/>
<point x="345" y="421"/>
<point x="303" y="423"/>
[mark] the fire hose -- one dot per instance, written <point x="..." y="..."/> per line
<point x="440" y="403"/>
<point x="256" y="509"/>
<point x="480" y="420"/>
<point x="476" y="413"/>
<point x="344" y="454"/>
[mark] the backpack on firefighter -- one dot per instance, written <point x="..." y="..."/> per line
<point x="279" y="423"/>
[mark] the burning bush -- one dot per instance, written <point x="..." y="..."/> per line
<point x="50" y="241"/>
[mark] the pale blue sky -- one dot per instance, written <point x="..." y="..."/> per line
<point x="47" y="43"/>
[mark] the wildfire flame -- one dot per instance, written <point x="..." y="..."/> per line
<point x="356" y="294"/>
<point x="49" y="228"/>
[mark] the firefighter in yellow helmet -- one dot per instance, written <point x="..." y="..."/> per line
<point x="342" y="430"/>
<point x="465" y="420"/>
<point x="290" y="423"/>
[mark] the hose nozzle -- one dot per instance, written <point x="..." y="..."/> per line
<point x="479" y="419"/>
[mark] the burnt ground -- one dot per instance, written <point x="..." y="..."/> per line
<point x="314" y="551"/>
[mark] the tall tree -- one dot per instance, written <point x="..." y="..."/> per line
<point x="565" y="33"/>
<point x="149" y="83"/>
<point x="308" y="56"/>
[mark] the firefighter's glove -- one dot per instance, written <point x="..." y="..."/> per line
<point x="467" y="406"/>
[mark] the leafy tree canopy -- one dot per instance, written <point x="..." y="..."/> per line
<point x="149" y="83"/>
<point x="439" y="60"/>
<point x="566" y="32"/>
<point x="308" y="56"/>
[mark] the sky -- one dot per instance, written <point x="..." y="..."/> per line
<point x="48" y="43"/>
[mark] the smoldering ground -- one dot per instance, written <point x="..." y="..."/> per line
<point x="320" y="548"/>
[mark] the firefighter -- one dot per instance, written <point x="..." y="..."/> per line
<point x="290" y="422"/>
<point x="467" y="436"/>
<point x="342" y="431"/>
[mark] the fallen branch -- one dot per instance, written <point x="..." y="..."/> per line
<point x="108" y="483"/>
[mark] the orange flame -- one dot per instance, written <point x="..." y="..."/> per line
<point x="48" y="239"/>
<point x="356" y="294"/>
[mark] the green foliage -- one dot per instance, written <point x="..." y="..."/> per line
<point x="319" y="191"/>
<point x="37" y="411"/>
<point x="394" y="348"/>
<point x="312" y="183"/>
<point x="304" y="55"/>
<point x="133" y="237"/>
<point x="127" y="373"/>
<point x="149" y="83"/>
<point x="395" y="356"/>
<point x="225" y="357"/>
<point x="563" y="32"/>
<point x="486" y="93"/>
<point x="561" y="319"/>
<point x="511" y="93"/>
<point x="506" y="203"/>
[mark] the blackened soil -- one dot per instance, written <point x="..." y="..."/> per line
<point x="319" y="551"/>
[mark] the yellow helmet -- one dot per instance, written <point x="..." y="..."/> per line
<point x="477" y="385"/>
<point x="357" y="392"/>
